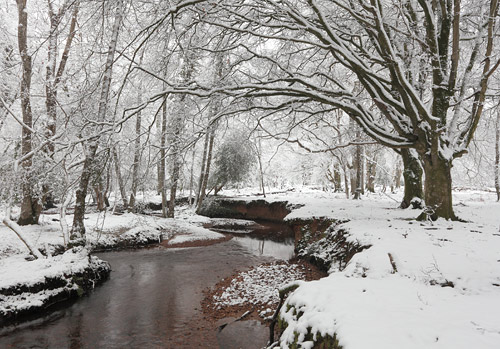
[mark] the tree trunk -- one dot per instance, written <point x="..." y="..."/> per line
<point x="412" y="174"/>
<point x="176" y="158"/>
<point x="30" y="205"/>
<point x="371" y="168"/>
<point x="337" y="178"/>
<point x="191" y="173"/>
<point x="137" y="160"/>
<point x="437" y="191"/>
<point x="261" y="170"/>
<point x="497" y="156"/>
<point x="52" y="78"/>
<point x="203" y="164"/>
<point x="159" y="184"/>
<point x="357" y="178"/>
<point x="397" y="175"/>
<point x="346" y="171"/>
<point x="173" y="189"/>
<point x="119" y="178"/>
<point x="100" y="195"/>
<point x="161" y="174"/>
<point x="207" y="167"/>
<point x="78" y="228"/>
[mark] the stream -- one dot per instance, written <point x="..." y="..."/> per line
<point x="152" y="300"/>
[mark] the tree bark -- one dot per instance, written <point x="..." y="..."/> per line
<point x="371" y="172"/>
<point x="159" y="183"/>
<point x="357" y="181"/>
<point x="30" y="205"/>
<point x="78" y="228"/>
<point x="13" y="225"/>
<point x="437" y="190"/>
<point x="206" y="175"/>
<point x="161" y="174"/>
<point x="137" y="159"/>
<point x="203" y="165"/>
<point x="497" y="156"/>
<point x="191" y="173"/>
<point x="258" y="147"/>
<point x="119" y="178"/>
<point x="397" y="175"/>
<point x="412" y="175"/>
<point x="176" y="159"/>
<point x="52" y="78"/>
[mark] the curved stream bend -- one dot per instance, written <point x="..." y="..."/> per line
<point x="152" y="299"/>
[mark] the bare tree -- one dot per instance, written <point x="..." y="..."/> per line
<point x="162" y="161"/>
<point x="497" y="155"/>
<point x="430" y="112"/>
<point x="78" y="228"/>
<point x="54" y="74"/>
<point x="30" y="206"/>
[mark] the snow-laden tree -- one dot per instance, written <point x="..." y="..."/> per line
<point x="421" y="68"/>
<point x="78" y="228"/>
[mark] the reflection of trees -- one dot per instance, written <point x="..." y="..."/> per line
<point x="75" y="330"/>
<point x="261" y="246"/>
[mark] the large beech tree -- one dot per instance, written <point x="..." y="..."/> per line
<point x="420" y="69"/>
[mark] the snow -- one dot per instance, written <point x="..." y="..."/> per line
<point x="259" y="286"/>
<point x="190" y="232"/>
<point x="16" y="272"/>
<point x="105" y="230"/>
<point x="443" y="290"/>
<point x="13" y="269"/>
<point x="369" y="304"/>
<point x="393" y="312"/>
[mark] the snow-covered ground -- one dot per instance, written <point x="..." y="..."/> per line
<point x="105" y="230"/>
<point x="259" y="286"/>
<point x="419" y="285"/>
<point x="31" y="285"/>
<point x="443" y="290"/>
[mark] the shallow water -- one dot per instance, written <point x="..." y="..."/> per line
<point x="152" y="300"/>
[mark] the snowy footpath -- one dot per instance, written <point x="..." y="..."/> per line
<point x="417" y="285"/>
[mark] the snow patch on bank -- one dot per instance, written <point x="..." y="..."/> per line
<point x="259" y="286"/>
<point x="16" y="270"/>
<point x="33" y="285"/>
<point x="188" y="232"/>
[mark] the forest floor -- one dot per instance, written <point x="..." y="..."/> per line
<point x="418" y="285"/>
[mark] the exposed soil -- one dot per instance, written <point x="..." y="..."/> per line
<point x="222" y="207"/>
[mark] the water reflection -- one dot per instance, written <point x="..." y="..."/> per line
<point x="281" y="250"/>
<point x="152" y="300"/>
<point x="264" y="239"/>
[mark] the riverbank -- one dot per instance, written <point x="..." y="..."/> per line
<point x="29" y="287"/>
<point x="393" y="282"/>
<point x="408" y="284"/>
